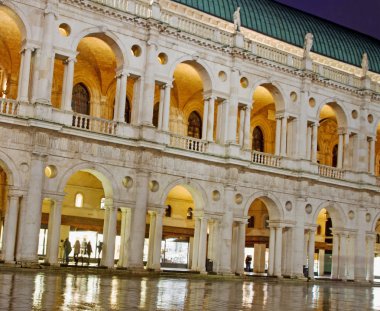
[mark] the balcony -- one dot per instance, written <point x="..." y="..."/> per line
<point x="188" y="143"/>
<point x="9" y="107"/>
<point x="330" y="172"/>
<point x="265" y="159"/>
<point x="93" y="124"/>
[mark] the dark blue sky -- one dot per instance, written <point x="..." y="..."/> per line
<point x="360" y="15"/>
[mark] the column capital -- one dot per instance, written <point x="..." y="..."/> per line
<point x="70" y="59"/>
<point x="342" y="131"/>
<point x="121" y="73"/>
<point x="16" y="193"/>
<point x="51" y="9"/>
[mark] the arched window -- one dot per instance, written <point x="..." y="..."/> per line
<point x="80" y="102"/>
<point x="127" y="112"/>
<point x="189" y="214"/>
<point x="155" y="114"/>
<point x="195" y="125"/>
<point x="168" y="211"/>
<point x="258" y="139"/>
<point x="251" y="222"/>
<point x="102" y="203"/>
<point x="79" y="200"/>
<point x="335" y="156"/>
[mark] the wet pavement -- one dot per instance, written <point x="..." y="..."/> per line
<point x="33" y="290"/>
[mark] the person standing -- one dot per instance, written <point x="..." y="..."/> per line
<point x="89" y="251"/>
<point x="67" y="250"/>
<point x="76" y="251"/>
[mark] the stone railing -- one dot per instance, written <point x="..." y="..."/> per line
<point x="9" y="106"/>
<point x="330" y="172"/>
<point x="265" y="159"/>
<point x="94" y="124"/>
<point x="188" y="143"/>
<point x="130" y="6"/>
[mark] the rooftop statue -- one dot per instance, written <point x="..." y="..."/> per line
<point x="364" y="64"/>
<point x="308" y="43"/>
<point x="237" y="20"/>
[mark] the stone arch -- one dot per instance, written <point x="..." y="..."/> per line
<point x="19" y="17"/>
<point x="196" y="191"/>
<point x="202" y="68"/>
<point x="374" y="222"/>
<point x="93" y="89"/>
<point x="341" y="113"/>
<point x="266" y="130"/>
<point x="11" y="170"/>
<point x="108" y="37"/>
<point x="190" y="107"/>
<point x="109" y="184"/>
<point x="275" y="89"/>
<point x="272" y="204"/>
<point x="336" y="212"/>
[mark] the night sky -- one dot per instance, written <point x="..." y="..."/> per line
<point x="360" y="15"/>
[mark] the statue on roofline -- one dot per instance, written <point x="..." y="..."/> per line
<point x="237" y="20"/>
<point x="364" y="64"/>
<point x="307" y="45"/>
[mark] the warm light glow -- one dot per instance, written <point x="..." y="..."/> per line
<point x="79" y="200"/>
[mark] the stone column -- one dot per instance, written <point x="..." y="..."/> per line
<point x="10" y="227"/>
<point x="202" y="245"/>
<point x="359" y="249"/>
<point x="343" y="256"/>
<point x="371" y="252"/>
<point x="196" y="244"/>
<point x="136" y="246"/>
<point x="278" y="250"/>
<point x="259" y="258"/>
<point x="156" y="260"/>
<point x="166" y="108"/>
<point x="335" y="257"/>
<point x="284" y="124"/>
<point x="149" y="84"/>
<point x="54" y="231"/>
<point x="314" y="148"/>
<point x="241" y="247"/>
<point x="321" y="262"/>
<point x="152" y="231"/>
<point x="233" y="103"/>
<point x="121" y="93"/>
<point x="68" y="81"/>
<point x="105" y="235"/>
<point x="278" y="136"/>
<point x="210" y="119"/>
<point x="124" y="237"/>
<point x="23" y="82"/>
<point x="311" y="253"/>
<point x="372" y="155"/>
<point x="241" y="127"/>
<point x="247" y="129"/>
<point x="308" y="143"/>
<point x="205" y="117"/>
<point x="272" y="237"/>
<point x="161" y="107"/>
<point x="108" y="255"/>
<point x="30" y="220"/>
<point x="340" y="150"/>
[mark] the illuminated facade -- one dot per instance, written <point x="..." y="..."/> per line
<point x="138" y="120"/>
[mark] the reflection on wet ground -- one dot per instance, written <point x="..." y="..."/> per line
<point x="21" y="290"/>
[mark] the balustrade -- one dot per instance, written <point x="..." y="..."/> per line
<point x="188" y="143"/>
<point x="265" y="159"/>
<point x="331" y="172"/>
<point x="94" y="124"/>
<point x="9" y="106"/>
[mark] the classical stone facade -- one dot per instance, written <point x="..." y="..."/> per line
<point x="124" y="102"/>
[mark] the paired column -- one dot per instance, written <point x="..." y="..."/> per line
<point x="278" y="252"/>
<point x="202" y="245"/>
<point x="54" y="231"/>
<point x="10" y="227"/>
<point x="372" y="155"/>
<point x="166" y="106"/>
<point x="68" y="81"/>
<point x="124" y="237"/>
<point x="194" y="261"/>
<point x="281" y="135"/>
<point x="23" y="82"/>
<point x="109" y="234"/>
<point x="136" y="246"/>
<point x="272" y="237"/>
<point x="155" y="238"/>
<point x="311" y="253"/>
<point x="241" y="246"/>
<point x="121" y="93"/>
<point x="247" y="128"/>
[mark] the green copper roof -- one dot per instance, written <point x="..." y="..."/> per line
<point x="290" y="25"/>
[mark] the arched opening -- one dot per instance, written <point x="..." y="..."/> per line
<point x="178" y="230"/>
<point x="258" y="139"/>
<point x="376" y="262"/>
<point x="3" y="203"/>
<point x="266" y="99"/>
<point x="194" y="128"/>
<point x="83" y="215"/>
<point x="156" y="109"/>
<point x="128" y="111"/>
<point x="191" y="81"/>
<point x="322" y="259"/>
<point x="257" y="238"/>
<point x="331" y="151"/>
<point x="11" y="38"/>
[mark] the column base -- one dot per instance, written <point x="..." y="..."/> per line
<point x="30" y="264"/>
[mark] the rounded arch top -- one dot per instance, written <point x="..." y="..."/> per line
<point x="108" y="37"/>
<point x="275" y="89"/>
<point x="10" y="168"/>
<point x="341" y="114"/>
<point x="200" y="66"/>
<point x="272" y="204"/>
<point x="109" y="184"/>
<point x="336" y="212"/>
<point x="196" y="191"/>
<point x="10" y="8"/>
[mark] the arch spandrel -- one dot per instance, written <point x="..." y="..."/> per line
<point x="272" y="204"/>
<point x="196" y="191"/>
